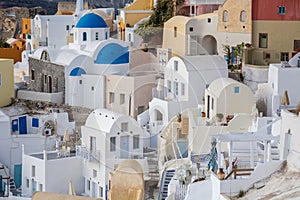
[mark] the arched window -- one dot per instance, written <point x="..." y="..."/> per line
<point x="97" y="36"/>
<point x="225" y="16"/>
<point x="243" y="16"/>
<point x="84" y="37"/>
<point x="45" y="56"/>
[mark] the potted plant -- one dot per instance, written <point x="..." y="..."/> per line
<point x="179" y="117"/>
<point x="220" y="117"/>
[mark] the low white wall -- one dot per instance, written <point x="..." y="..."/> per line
<point x="262" y="171"/>
<point x="254" y="76"/>
<point x="40" y="96"/>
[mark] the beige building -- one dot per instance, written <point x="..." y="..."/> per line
<point x="227" y="97"/>
<point x="131" y="94"/>
<point x="270" y="45"/>
<point x="208" y="33"/>
<point x="6" y="81"/>
<point x="127" y="181"/>
<point x="133" y="13"/>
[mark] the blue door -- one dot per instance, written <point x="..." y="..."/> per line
<point x="22" y="125"/>
<point x="183" y="147"/>
<point x="18" y="175"/>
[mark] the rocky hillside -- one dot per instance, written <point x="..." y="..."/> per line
<point x="51" y="5"/>
<point x="11" y="20"/>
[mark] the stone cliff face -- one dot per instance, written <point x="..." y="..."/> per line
<point x="11" y="19"/>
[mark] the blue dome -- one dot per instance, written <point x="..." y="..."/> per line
<point x="91" y="20"/>
<point x="77" y="72"/>
<point x="113" y="54"/>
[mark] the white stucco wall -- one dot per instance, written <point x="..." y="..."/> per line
<point x="281" y="79"/>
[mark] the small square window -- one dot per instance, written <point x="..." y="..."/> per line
<point x="80" y="82"/>
<point x="191" y="29"/>
<point x="124" y="127"/>
<point x="27" y="183"/>
<point x="284" y="56"/>
<point x="268" y="56"/>
<point x="94" y="173"/>
<point x="92" y="88"/>
<point x="67" y="27"/>
<point x="281" y="10"/>
<point x="236" y="90"/>
<point x="209" y="20"/>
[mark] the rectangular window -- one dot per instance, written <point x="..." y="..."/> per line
<point x="212" y="103"/>
<point x="94" y="173"/>
<point x="35" y="122"/>
<point x="281" y="10"/>
<point x="0" y="80"/>
<point x="263" y="40"/>
<point x="111" y="97"/>
<point x="140" y="109"/>
<point x="209" y="20"/>
<point x="296" y="45"/>
<point x="175" y="88"/>
<point x="122" y="99"/>
<point x="80" y="82"/>
<point x="169" y="86"/>
<point x="267" y="56"/>
<point x="45" y="79"/>
<point x="41" y="187"/>
<point x="124" y="127"/>
<point x="33" y="171"/>
<point x="97" y="36"/>
<point x="67" y="27"/>
<point x="191" y="29"/>
<point x="32" y="75"/>
<point x="100" y="191"/>
<point x="93" y="143"/>
<point x="182" y="89"/>
<point x="175" y="31"/>
<point x="284" y="56"/>
<point x="113" y="144"/>
<point x="92" y="88"/>
<point x="136" y="142"/>
<point x="236" y="90"/>
<point x="88" y="185"/>
<point x="27" y="183"/>
<point x="181" y="135"/>
<point x="15" y="125"/>
<point x="175" y="65"/>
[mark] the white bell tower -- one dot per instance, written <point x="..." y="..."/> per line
<point x="79" y="6"/>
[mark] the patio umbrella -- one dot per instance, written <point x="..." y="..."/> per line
<point x="285" y="99"/>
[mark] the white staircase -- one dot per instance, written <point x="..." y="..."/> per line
<point x="274" y="151"/>
<point x="165" y="180"/>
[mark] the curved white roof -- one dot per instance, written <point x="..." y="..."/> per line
<point x="218" y="85"/>
<point x="102" y="119"/>
<point x="204" y="62"/>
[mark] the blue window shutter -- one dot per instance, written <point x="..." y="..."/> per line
<point x="35" y="122"/>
